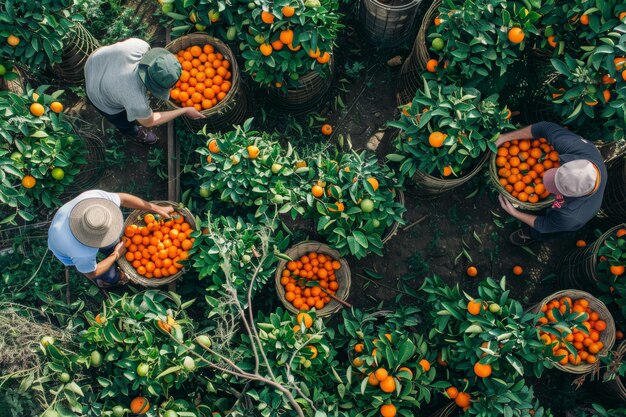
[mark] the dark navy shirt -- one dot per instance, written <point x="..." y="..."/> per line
<point x="576" y="211"/>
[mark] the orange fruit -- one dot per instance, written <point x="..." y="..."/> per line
<point x="516" y="35"/>
<point x="617" y="270"/>
<point x="29" y="181"/>
<point x="141" y="405"/>
<point x="388" y="384"/>
<point x="517" y="270"/>
<point x="327" y="129"/>
<point x="381" y="374"/>
<point x="584" y="19"/>
<point x="286" y="36"/>
<point x="266" y="49"/>
<point x="425" y="365"/>
<point x="472" y="271"/>
<point x="267" y="18"/>
<point x="474" y="307"/>
<point x="436" y="139"/>
<point x="452" y="392"/>
<point x="482" y="370"/>
<point x="304" y="317"/>
<point x="462" y="399"/>
<point x="56" y="107"/>
<point x="317" y="191"/>
<point x="431" y="65"/>
<point x="372" y="380"/>
<point x="388" y="410"/>
<point x="37" y="109"/>
<point x="288" y="11"/>
<point x="13" y="41"/>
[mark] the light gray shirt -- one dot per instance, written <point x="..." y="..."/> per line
<point x="112" y="79"/>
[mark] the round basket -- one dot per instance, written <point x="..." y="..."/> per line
<point x="614" y="202"/>
<point x="607" y="337"/>
<point x="493" y="175"/>
<point x="537" y="108"/>
<point x="136" y="217"/>
<point x="17" y="85"/>
<point x="614" y="390"/>
<point x="410" y="78"/>
<point x="431" y="187"/>
<point x="233" y="109"/>
<point x="446" y="411"/>
<point x="343" y="275"/>
<point x="579" y="268"/>
<point x="394" y="227"/>
<point x="420" y="49"/>
<point x="95" y="166"/>
<point x="79" y="44"/>
<point x="306" y="98"/>
<point x="387" y="24"/>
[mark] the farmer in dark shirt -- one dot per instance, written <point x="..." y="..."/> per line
<point x="578" y="184"/>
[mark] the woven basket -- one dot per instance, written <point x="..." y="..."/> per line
<point x="387" y="25"/>
<point x="614" y="202"/>
<point x="430" y="187"/>
<point x="420" y="49"/>
<point x="394" y="227"/>
<point x="537" y="108"/>
<point x="306" y="98"/>
<point x="579" y="268"/>
<point x="343" y="275"/>
<point x="233" y="109"/>
<point x="79" y="44"/>
<point x="607" y="337"/>
<point x="17" y="85"/>
<point x="91" y="172"/>
<point x="614" y="390"/>
<point x="493" y="175"/>
<point x="446" y="411"/>
<point x="410" y="78"/>
<point x="136" y="217"/>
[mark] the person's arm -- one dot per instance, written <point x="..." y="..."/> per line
<point x="106" y="263"/>
<point x="133" y="202"/>
<point x="529" y="219"/>
<point x="520" y="134"/>
<point x="160" y="117"/>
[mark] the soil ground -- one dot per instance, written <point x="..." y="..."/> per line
<point x="435" y="231"/>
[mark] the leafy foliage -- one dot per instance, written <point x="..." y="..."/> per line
<point x="39" y="25"/>
<point x="471" y="125"/>
<point x="314" y="27"/>
<point x="32" y="145"/>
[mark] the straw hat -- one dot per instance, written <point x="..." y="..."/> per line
<point x="96" y="222"/>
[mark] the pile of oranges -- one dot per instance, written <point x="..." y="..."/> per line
<point x="156" y="249"/>
<point x="521" y="164"/>
<point x="313" y="266"/>
<point x="205" y="79"/>
<point x="587" y="345"/>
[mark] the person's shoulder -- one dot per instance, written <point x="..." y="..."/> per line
<point x="100" y="194"/>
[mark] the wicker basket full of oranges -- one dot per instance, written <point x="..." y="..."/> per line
<point x="155" y="247"/>
<point x="517" y="172"/>
<point x="596" y="339"/>
<point x="209" y="80"/>
<point x="315" y="271"/>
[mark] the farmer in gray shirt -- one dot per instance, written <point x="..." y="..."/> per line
<point x="117" y="79"/>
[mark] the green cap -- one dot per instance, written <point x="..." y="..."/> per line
<point x="159" y="70"/>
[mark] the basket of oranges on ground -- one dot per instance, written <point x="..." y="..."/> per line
<point x="597" y="340"/>
<point x="155" y="247"/>
<point x="209" y="80"/>
<point x="517" y="172"/>
<point x="314" y="272"/>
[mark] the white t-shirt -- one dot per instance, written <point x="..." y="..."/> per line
<point x="62" y="242"/>
<point x="112" y="79"/>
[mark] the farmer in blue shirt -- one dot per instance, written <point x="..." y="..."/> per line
<point x="92" y="223"/>
<point x="578" y="184"/>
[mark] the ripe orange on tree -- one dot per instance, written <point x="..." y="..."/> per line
<point x="617" y="270"/>
<point x="327" y="129"/>
<point x="373" y="182"/>
<point x="29" y="181"/>
<point x="139" y="405"/>
<point x="431" y="65"/>
<point x="388" y="384"/>
<point x="482" y="370"/>
<point x="288" y="11"/>
<point x="516" y="35"/>
<point x="267" y="18"/>
<point x="388" y="410"/>
<point x="37" y="109"/>
<point x="13" y="40"/>
<point x="436" y="139"/>
<point x="452" y="392"/>
<point x="474" y="307"/>
<point x="462" y="399"/>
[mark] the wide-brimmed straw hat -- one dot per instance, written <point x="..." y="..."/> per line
<point x="96" y="222"/>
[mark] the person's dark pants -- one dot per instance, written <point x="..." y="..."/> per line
<point x="120" y="121"/>
<point x="111" y="275"/>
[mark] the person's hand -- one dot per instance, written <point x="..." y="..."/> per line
<point x="120" y="249"/>
<point x="164" y="211"/>
<point x="193" y="113"/>
<point x="506" y="205"/>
